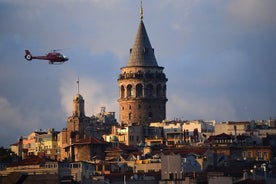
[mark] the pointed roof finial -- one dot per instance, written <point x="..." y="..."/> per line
<point x="78" y="82"/>
<point x="141" y="11"/>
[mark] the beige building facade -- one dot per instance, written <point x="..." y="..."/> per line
<point x="232" y="127"/>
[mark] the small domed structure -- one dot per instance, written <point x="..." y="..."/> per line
<point x="78" y="106"/>
<point x="78" y="97"/>
<point x="114" y="139"/>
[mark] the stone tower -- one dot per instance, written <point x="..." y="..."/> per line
<point x="77" y="123"/>
<point x="78" y="106"/>
<point x="142" y="83"/>
<point x="75" y="130"/>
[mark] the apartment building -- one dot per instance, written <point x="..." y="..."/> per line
<point x="46" y="144"/>
<point x="197" y="130"/>
<point x="173" y="133"/>
<point x="232" y="127"/>
<point x="39" y="142"/>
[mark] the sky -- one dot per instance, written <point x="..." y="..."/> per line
<point x="219" y="57"/>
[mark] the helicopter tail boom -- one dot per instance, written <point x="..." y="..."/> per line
<point x="28" y="55"/>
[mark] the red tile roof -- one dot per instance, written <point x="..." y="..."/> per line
<point x="186" y="151"/>
<point x="89" y="140"/>
<point x="238" y="122"/>
<point x="30" y="160"/>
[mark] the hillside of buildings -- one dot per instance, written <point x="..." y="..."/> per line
<point x="186" y="151"/>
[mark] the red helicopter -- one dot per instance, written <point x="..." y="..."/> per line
<point x="53" y="57"/>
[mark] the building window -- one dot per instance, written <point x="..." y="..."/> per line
<point x="171" y="176"/>
<point x="129" y="90"/>
<point x="265" y="156"/>
<point x="164" y="90"/>
<point x="186" y="133"/>
<point x="75" y="166"/>
<point x="139" y="90"/>
<point x="122" y="92"/>
<point x="259" y="155"/>
<point x="244" y="155"/>
<point x="149" y="90"/>
<point x="158" y="90"/>
<point x="130" y="116"/>
<point x="150" y="115"/>
<point x="249" y="154"/>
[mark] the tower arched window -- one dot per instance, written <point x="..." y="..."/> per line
<point x="158" y="90"/>
<point x="129" y="90"/>
<point x="150" y="115"/>
<point x="130" y="116"/>
<point x="164" y="90"/>
<point x="149" y="90"/>
<point x="139" y="90"/>
<point x="122" y="91"/>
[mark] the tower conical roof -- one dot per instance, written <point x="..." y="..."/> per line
<point x="142" y="54"/>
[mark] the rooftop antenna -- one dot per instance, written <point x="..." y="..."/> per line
<point x="78" y="83"/>
<point x="141" y="11"/>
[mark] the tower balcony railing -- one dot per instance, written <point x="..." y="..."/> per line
<point x="144" y="97"/>
<point x="139" y="75"/>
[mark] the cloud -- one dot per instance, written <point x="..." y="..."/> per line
<point x="219" y="57"/>
<point x="96" y="74"/>
<point x="93" y="92"/>
<point x="252" y="14"/>
<point x="13" y="122"/>
<point x="196" y="107"/>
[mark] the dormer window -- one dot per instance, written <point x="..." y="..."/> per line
<point x="145" y="50"/>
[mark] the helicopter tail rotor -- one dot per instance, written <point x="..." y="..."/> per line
<point x="28" y="55"/>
